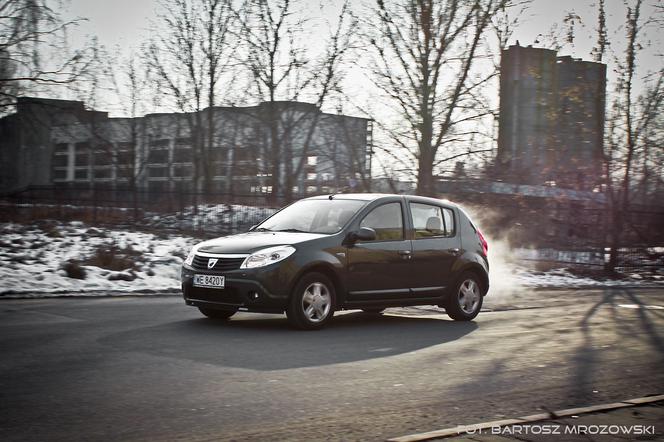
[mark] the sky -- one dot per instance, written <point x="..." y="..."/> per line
<point x="125" y="25"/>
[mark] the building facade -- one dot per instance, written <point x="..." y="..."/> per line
<point x="60" y="142"/>
<point x="551" y="119"/>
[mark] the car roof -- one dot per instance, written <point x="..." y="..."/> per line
<point x="375" y="196"/>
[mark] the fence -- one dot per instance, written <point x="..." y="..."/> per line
<point x="578" y="231"/>
<point x="193" y="212"/>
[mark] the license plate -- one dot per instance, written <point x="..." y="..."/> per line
<point x="212" y="281"/>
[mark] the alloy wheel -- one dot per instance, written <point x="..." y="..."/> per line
<point x="316" y="302"/>
<point x="469" y="296"/>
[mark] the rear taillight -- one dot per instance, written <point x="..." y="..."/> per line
<point x="485" y="246"/>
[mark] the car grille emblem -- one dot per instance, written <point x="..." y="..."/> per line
<point x="212" y="262"/>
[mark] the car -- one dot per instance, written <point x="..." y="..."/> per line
<point x="340" y="252"/>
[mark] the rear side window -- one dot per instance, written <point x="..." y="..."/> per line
<point x="432" y="221"/>
<point x="387" y="221"/>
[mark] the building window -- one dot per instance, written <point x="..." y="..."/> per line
<point x="243" y="154"/>
<point x="103" y="158"/>
<point x="158" y="172"/>
<point x="158" y="156"/>
<point x="160" y="144"/>
<point x="249" y="169"/>
<point x="103" y="173"/>
<point x="60" y="160"/>
<point x="182" y="155"/>
<point x="312" y="161"/>
<point x="81" y="174"/>
<point x="157" y="185"/>
<point x="311" y="176"/>
<point x="182" y="171"/>
<point x="218" y="155"/>
<point x="125" y="157"/>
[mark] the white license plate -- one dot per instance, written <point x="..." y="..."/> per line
<point x="212" y="281"/>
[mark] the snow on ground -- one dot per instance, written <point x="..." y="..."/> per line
<point x="565" y="278"/>
<point x="45" y="258"/>
<point x="33" y="259"/>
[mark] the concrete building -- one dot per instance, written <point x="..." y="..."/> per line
<point x="551" y="119"/>
<point x="56" y="142"/>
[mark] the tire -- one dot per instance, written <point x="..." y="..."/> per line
<point x="311" y="306"/>
<point x="373" y="311"/>
<point x="465" y="302"/>
<point x="217" y="314"/>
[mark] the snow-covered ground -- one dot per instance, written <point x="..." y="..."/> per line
<point x="33" y="259"/>
<point x="49" y="258"/>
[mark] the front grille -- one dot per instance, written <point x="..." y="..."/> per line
<point x="222" y="265"/>
<point x="229" y="295"/>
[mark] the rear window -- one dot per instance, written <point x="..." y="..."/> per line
<point x="432" y="221"/>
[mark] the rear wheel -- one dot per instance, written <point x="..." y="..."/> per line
<point x="465" y="302"/>
<point x="311" y="306"/>
<point x="217" y="314"/>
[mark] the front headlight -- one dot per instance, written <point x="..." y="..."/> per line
<point x="265" y="257"/>
<point x="190" y="257"/>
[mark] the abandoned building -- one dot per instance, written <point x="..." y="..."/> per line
<point x="58" y="142"/>
<point x="551" y="127"/>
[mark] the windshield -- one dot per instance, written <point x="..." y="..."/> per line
<point x="313" y="216"/>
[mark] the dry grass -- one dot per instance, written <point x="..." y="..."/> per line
<point x="112" y="257"/>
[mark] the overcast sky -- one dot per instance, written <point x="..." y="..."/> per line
<point x="126" y="23"/>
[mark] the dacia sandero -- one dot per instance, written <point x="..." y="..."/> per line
<point x="346" y="251"/>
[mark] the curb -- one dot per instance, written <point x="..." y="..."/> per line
<point x="461" y="429"/>
<point x="90" y="295"/>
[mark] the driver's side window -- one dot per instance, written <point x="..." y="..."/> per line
<point x="387" y="221"/>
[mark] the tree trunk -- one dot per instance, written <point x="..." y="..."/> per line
<point x="275" y="154"/>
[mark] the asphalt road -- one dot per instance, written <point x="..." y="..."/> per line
<point x="154" y="369"/>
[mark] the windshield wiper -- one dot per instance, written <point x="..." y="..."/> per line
<point x="261" y="229"/>
<point x="291" y="230"/>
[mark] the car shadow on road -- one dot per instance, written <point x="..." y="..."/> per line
<point x="270" y="344"/>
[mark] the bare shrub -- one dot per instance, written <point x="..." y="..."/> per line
<point x="74" y="270"/>
<point x="112" y="257"/>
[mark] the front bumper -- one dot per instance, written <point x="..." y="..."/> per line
<point x="263" y="289"/>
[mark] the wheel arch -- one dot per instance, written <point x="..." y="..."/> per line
<point x="479" y="271"/>
<point x="328" y="270"/>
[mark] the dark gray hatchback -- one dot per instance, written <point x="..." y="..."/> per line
<point x="346" y="251"/>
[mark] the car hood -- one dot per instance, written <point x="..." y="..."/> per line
<point x="252" y="241"/>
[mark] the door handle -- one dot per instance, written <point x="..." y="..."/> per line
<point x="405" y="254"/>
<point x="455" y="251"/>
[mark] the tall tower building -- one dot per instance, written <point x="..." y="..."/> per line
<point x="551" y="119"/>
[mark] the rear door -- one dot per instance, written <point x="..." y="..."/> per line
<point x="436" y="247"/>
<point x="380" y="269"/>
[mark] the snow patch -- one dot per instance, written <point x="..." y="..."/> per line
<point x="32" y="259"/>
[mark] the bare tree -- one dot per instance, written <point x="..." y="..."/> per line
<point x="28" y="30"/>
<point x="426" y="62"/>
<point x="283" y="68"/>
<point x="189" y="58"/>
<point x="634" y="126"/>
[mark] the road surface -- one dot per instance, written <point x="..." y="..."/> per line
<point x="131" y="368"/>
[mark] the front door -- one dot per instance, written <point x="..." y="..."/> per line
<point x="380" y="269"/>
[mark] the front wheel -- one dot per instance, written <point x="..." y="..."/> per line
<point x="216" y="314"/>
<point x="311" y="306"/>
<point x="466" y="301"/>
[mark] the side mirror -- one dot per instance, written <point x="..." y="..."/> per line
<point x="364" y="234"/>
<point x="252" y="228"/>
